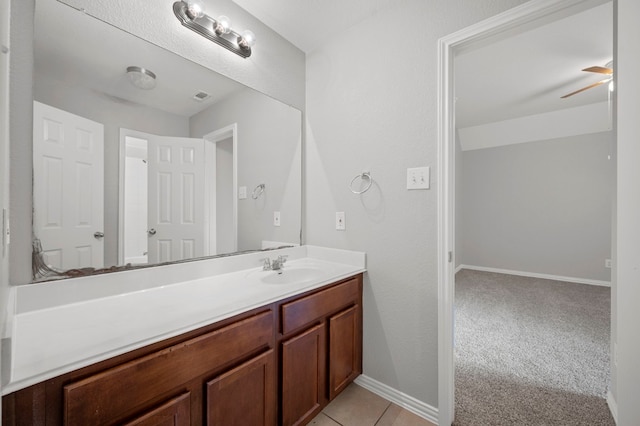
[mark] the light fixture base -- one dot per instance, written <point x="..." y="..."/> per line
<point x="205" y="26"/>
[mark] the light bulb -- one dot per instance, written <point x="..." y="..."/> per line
<point x="195" y="9"/>
<point x="223" y="25"/>
<point x="247" y="39"/>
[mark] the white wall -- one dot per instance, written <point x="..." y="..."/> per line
<point x="371" y="105"/>
<point x="627" y="310"/>
<point x="539" y="207"/>
<point x="269" y="145"/>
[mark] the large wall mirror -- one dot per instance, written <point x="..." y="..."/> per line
<point x="143" y="157"/>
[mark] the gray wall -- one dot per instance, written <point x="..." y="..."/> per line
<point x="372" y="105"/>
<point x="269" y="152"/>
<point x="224" y="197"/>
<point x="540" y="207"/>
<point x="113" y="115"/>
<point x="21" y="136"/>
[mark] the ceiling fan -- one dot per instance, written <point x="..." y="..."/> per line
<point x="607" y="70"/>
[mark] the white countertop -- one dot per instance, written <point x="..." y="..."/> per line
<point x="62" y="326"/>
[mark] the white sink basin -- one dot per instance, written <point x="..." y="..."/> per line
<point x="289" y="275"/>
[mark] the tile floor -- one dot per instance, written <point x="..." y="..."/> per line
<point x="356" y="406"/>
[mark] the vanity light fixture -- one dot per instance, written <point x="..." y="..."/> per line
<point x="142" y="78"/>
<point x="191" y="14"/>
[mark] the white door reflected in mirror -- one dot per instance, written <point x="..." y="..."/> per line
<point x="68" y="188"/>
<point x="165" y="213"/>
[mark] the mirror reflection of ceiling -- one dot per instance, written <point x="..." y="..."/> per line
<point x="71" y="59"/>
<point x="527" y="73"/>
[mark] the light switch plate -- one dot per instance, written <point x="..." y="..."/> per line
<point x="276" y="218"/>
<point x="418" y="178"/>
<point x="340" y="221"/>
<point x="242" y="192"/>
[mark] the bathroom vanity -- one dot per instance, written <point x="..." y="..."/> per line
<point x="278" y="358"/>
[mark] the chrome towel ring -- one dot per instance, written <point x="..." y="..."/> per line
<point x="257" y="191"/>
<point x="362" y="176"/>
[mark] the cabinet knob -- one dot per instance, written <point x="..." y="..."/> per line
<point x="97" y="235"/>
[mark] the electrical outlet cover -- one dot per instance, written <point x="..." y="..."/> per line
<point x="340" y="221"/>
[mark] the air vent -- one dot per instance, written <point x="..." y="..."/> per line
<point x="201" y="96"/>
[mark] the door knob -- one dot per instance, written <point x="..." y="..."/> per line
<point x="152" y="231"/>
<point x="98" y="234"/>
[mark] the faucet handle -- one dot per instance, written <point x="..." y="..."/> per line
<point x="282" y="258"/>
<point x="266" y="264"/>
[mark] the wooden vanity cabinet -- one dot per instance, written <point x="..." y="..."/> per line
<point x="320" y="349"/>
<point x="138" y="388"/>
<point x="185" y="380"/>
<point x="279" y="364"/>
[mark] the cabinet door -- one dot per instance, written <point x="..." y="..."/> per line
<point x="176" y="412"/>
<point x="303" y="376"/>
<point x="245" y="395"/>
<point x="344" y="350"/>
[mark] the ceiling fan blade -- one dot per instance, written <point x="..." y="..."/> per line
<point x="606" y="80"/>
<point x="600" y="70"/>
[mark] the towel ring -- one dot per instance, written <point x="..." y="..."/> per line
<point x="363" y="175"/>
<point x="257" y="191"/>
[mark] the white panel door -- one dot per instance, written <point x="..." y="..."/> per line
<point x="68" y="188"/>
<point x="176" y="202"/>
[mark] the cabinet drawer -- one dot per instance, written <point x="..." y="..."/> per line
<point x="172" y="413"/>
<point x="124" y="390"/>
<point x="310" y="308"/>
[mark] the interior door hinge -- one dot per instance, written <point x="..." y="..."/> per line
<point x="450" y="256"/>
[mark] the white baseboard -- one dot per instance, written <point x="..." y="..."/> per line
<point x="458" y="269"/>
<point x="613" y="406"/>
<point x="536" y="275"/>
<point x="403" y="400"/>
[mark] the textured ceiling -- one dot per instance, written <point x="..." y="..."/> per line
<point x="520" y="75"/>
<point x="305" y="23"/>
<point x="511" y="77"/>
<point x="527" y="73"/>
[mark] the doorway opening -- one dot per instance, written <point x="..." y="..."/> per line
<point x="514" y="21"/>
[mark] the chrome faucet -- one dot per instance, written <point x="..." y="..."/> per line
<point x="266" y="266"/>
<point x="275" y="265"/>
<point x="278" y="264"/>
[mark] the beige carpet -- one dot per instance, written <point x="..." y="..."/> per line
<point x="530" y="351"/>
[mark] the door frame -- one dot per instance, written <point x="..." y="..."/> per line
<point x="532" y="13"/>
<point x="122" y="153"/>
<point x="211" y="139"/>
